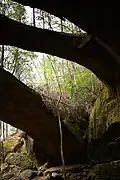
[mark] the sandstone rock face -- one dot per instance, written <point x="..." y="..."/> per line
<point x="107" y="147"/>
<point x="24" y="109"/>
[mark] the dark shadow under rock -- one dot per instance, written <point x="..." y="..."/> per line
<point x="108" y="146"/>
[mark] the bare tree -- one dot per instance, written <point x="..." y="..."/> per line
<point x="6" y="130"/>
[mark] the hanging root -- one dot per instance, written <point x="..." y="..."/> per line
<point x="61" y="146"/>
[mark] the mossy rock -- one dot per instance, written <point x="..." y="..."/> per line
<point x="20" y="159"/>
<point x="10" y="142"/>
<point x="4" y="168"/>
<point x="11" y="169"/>
<point x="105" y="112"/>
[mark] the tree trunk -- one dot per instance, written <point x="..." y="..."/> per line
<point x="0" y="130"/>
<point x="6" y="130"/>
<point x="34" y="24"/>
<point x="2" y="56"/>
<point x="3" y="128"/>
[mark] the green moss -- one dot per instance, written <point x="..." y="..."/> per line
<point x="10" y="142"/>
<point x="106" y="111"/>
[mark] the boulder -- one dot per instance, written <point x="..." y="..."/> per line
<point x="19" y="159"/>
<point x="4" y="168"/>
<point x="28" y="174"/>
<point x="105" y="171"/>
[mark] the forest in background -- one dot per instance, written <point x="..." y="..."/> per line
<point x="54" y="78"/>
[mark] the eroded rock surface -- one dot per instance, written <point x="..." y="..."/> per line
<point x="24" y="108"/>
